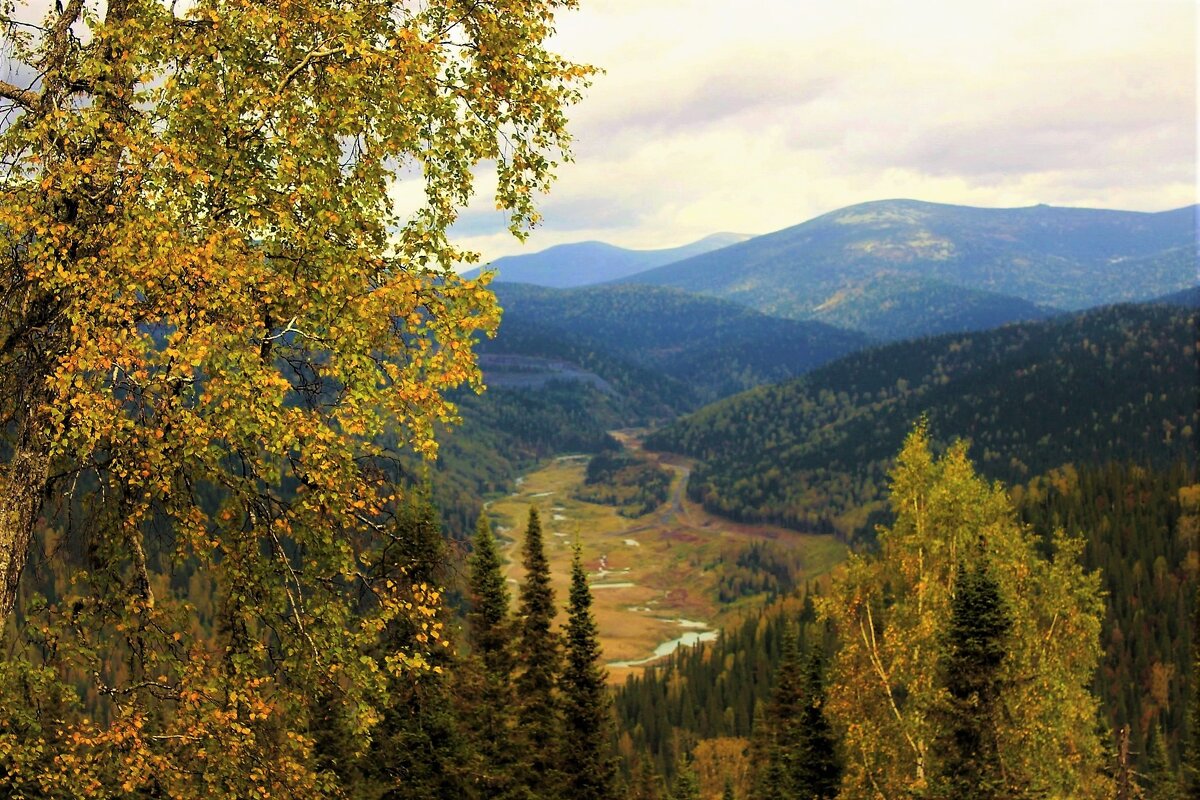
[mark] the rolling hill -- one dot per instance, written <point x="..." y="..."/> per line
<point x="1118" y="382"/>
<point x="585" y="263"/>
<point x="905" y="268"/>
<point x="713" y="346"/>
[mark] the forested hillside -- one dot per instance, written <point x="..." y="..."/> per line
<point x="713" y="345"/>
<point x="1141" y="531"/>
<point x="840" y="266"/>
<point x="894" y="307"/>
<point x="1118" y="382"/>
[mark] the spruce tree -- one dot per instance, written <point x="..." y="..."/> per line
<point x="817" y="769"/>
<point x="418" y="750"/>
<point x="1157" y="779"/>
<point x="485" y="685"/>
<point x="775" y="747"/>
<point x="686" y="785"/>
<point x="969" y="757"/>
<point x="587" y="712"/>
<point x="488" y="624"/>
<point x="539" y="660"/>
<point x="795" y="751"/>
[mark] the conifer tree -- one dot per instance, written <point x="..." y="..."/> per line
<point x="1158" y="780"/>
<point x="818" y="771"/>
<point x="419" y="749"/>
<point x="728" y="793"/>
<point x="587" y="711"/>
<point x="795" y="748"/>
<point x="686" y="785"/>
<point x="488" y="623"/>
<point x="539" y="662"/>
<point x="775" y="745"/>
<point x="647" y="784"/>
<point x="486" y="682"/>
<point x="975" y="649"/>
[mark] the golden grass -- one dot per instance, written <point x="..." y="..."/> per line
<point x="674" y="568"/>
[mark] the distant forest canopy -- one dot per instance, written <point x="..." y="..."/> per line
<point x="1118" y="382"/>
<point x="716" y="346"/>
<point x="1141" y="526"/>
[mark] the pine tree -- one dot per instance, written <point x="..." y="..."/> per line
<point x="975" y="649"/>
<point x="587" y="711"/>
<point x="818" y="769"/>
<point x="728" y="793"/>
<point x="419" y="749"/>
<point x="539" y="660"/>
<point x="795" y="748"/>
<point x="686" y="785"/>
<point x="485" y="684"/>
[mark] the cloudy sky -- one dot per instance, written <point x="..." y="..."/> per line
<point x="754" y="115"/>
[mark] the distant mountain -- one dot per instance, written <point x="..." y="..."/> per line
<point x="585" y="263"/>
<point x="901" y="268"/>
<point x="1114" y="383"/>
<point x="713" y="346"/>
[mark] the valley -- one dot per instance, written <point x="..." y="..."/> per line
<point x="655" y="578"/>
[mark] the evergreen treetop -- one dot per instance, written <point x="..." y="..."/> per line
<point x="587" y="708"/>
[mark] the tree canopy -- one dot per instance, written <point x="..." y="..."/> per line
<point x="894" y="613"/>
<point x="213" y="306"/>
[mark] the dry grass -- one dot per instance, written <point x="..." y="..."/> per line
<point x="674" y="567"/>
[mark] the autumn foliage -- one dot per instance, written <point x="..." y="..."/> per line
<point x="212" y="309"/>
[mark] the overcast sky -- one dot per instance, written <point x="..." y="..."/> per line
<point x="754" y="115"/>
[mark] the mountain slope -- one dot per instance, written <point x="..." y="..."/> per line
<point x="714" y="346"/>
<point x="1114" y="383"/>
<point x="1067" y="258"/>
<point x="584" y="263"/>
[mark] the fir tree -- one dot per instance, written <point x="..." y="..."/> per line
<point x="587" y="713"/>
<point x="795" y="749"/>
<point x="975" y="648"/>
<point x="686" y="785"/>
<point x="1158" y="780"/>
<point x="419" y="749"/>
<point x="539" y="659"/>
<point x="486" y="681"/>
<point x="775" y="740"/>
<point x="817" y="770"/>
<point x="488" y="624"/>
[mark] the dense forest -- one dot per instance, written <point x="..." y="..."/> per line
<point x="713" y="345"/>
<point x="258" y="418"/>
<point x="622" y="479"/>
<point x="1118" y="382"/>
<point x="1140" y="529"/>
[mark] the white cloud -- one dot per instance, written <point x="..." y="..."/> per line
<point x="761" y="114"/>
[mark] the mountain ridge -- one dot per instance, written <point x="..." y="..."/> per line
<point x="1047" y="257"/>
<point x="576" y="264"/>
